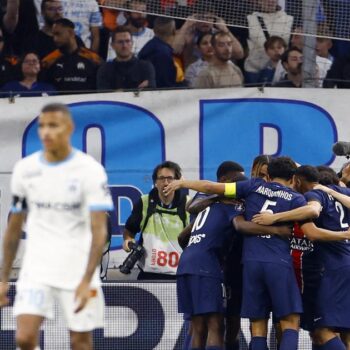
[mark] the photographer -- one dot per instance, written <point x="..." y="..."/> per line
<point x="160" y="219"/>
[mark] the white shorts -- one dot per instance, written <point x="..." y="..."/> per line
<point x="38" y="299"/>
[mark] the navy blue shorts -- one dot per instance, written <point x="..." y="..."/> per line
<point x="333" y="301"/>
<point x="198" y="295"/>
<point x="310" y="285"/>
<point x="269" y="287"/>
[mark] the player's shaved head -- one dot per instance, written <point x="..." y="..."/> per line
<point x="57" y="107"/>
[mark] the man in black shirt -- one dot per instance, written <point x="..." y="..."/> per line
<point x="292" y="61"/>
<point x="70" y="68"/>
<point x="42" y="42"/>
<point x="125" y="71"/>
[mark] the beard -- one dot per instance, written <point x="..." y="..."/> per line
<point x="138" y="22"/>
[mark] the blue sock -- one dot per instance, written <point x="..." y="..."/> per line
<point x="197" y="349"/>
<point x="258" y="343"/>
<point x="333" y="344"/>
<point x="316" y="347"/>
<point x="234" y="346"/>
<point x="213" y="348"/>
<point x="289" y="340"/>
<point x="187" y="342"/>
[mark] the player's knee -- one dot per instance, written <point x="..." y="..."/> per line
<point x="80" y="341"/>
<point x="26" y="341"/>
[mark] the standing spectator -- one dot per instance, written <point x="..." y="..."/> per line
<point x="339" y="74"/>
<point x="160" y="53"/>
<point x="274" y="46"/>
<point x="125" y="71"/>
<point x="8" y="63"/>
<point x="29" y="85"/>
<point x="137" y="24"/>
<point x="207" y="53"/>
<point x="19" y="23"/>
<point x="86" y="16"/>
<point x="70" y="68"/>
<point x="42" y="42"/>
<point x="187" y="36"/>
<point x="221" y="72"/>
<point x="270" y="20"/>
<point x="292" y="61"/>
<point x="160" y="219"/>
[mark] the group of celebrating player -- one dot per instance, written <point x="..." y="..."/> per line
<point x="294" y="223"/>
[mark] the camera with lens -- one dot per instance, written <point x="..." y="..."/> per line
<point x="137" y="251"/>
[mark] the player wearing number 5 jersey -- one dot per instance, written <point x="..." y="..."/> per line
<point x="269" y="282"/>
<point x="160" y="219"/>
<point x="63" y="195"/>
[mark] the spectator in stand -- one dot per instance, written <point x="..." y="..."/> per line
<point x="86" y="16"/>
<point x="159" y="52"/>
<point x="8" y="63"/>
<point x="19" y="23"/>
<point x="125" y="71"/>
<point x="270" y="20"/>
<point x="29" y="85"/>
<point x="207" y="53"/>
<point x="221" y="71"/>
<point x="70" y="67"/>
<point x="42" y="42"/>
<point x="187" y="36"/>
<point x="292" y="61"/>
<point x="339" y="74"/>
<point x="137" y="24"/>
<point x="274" y="46"/>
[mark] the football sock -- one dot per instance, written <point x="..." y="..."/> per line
<point x="289" y="340"/>
<point x="213" y="348"/>
<point x="234" y="346"/>
<point x="258" y="343"/>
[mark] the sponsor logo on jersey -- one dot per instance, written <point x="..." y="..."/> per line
<point x="60" y="206"/>
<point x="302" y="244"/>
<point x="196" y="239"/>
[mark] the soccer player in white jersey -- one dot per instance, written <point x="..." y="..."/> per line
<point x="63" y="195"/>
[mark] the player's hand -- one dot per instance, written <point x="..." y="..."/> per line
<point x="265" y="218"/>
<point x="4" y="288"/>
<point x="126" y="244"/>
<point x="82" y="295"/>
<point x="172" y="186"/>
<point x="323" y="188"/>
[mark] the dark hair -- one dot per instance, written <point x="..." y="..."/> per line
<point x="281" y="167"/>
<point x="308" y="172"/>
<point x="56" y="107"/>
<point x="121" y="29"/>
<point x="163" y="26"/>
<point x="273" y="40"/>
<point x="327" y="175"/>
<point x="44" y="2"/>
<point x="285" y="55"/>
<point x="226" y="167"/>
<point x="65" y="22"/>
<point x="215" y="35"/>
<point x="170" y="165"/>
<point x="258" y="162"/>
<point x="202" y="36"/>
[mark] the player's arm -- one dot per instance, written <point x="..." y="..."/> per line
<point x="342" y="198"/>
<point x="99" y="236"/>
<point x="251" y="228"/>
<point x="314" y="233"/>
<point x="310" y="211"/>
<point x="184" y="236"/>
<point x="202" y="186"/>
<point x="10" y="246"/>
<point x="196" y="205"/>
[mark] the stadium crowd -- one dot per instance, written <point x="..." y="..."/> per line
<point x="63" y="46"/>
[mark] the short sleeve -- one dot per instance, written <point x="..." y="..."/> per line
<point x="315" y="195"/>
<point x="299" y="201"/>
<point x="243" y="188"/>
<point x="18" y="191"/>
<point x="97" y="195"/>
